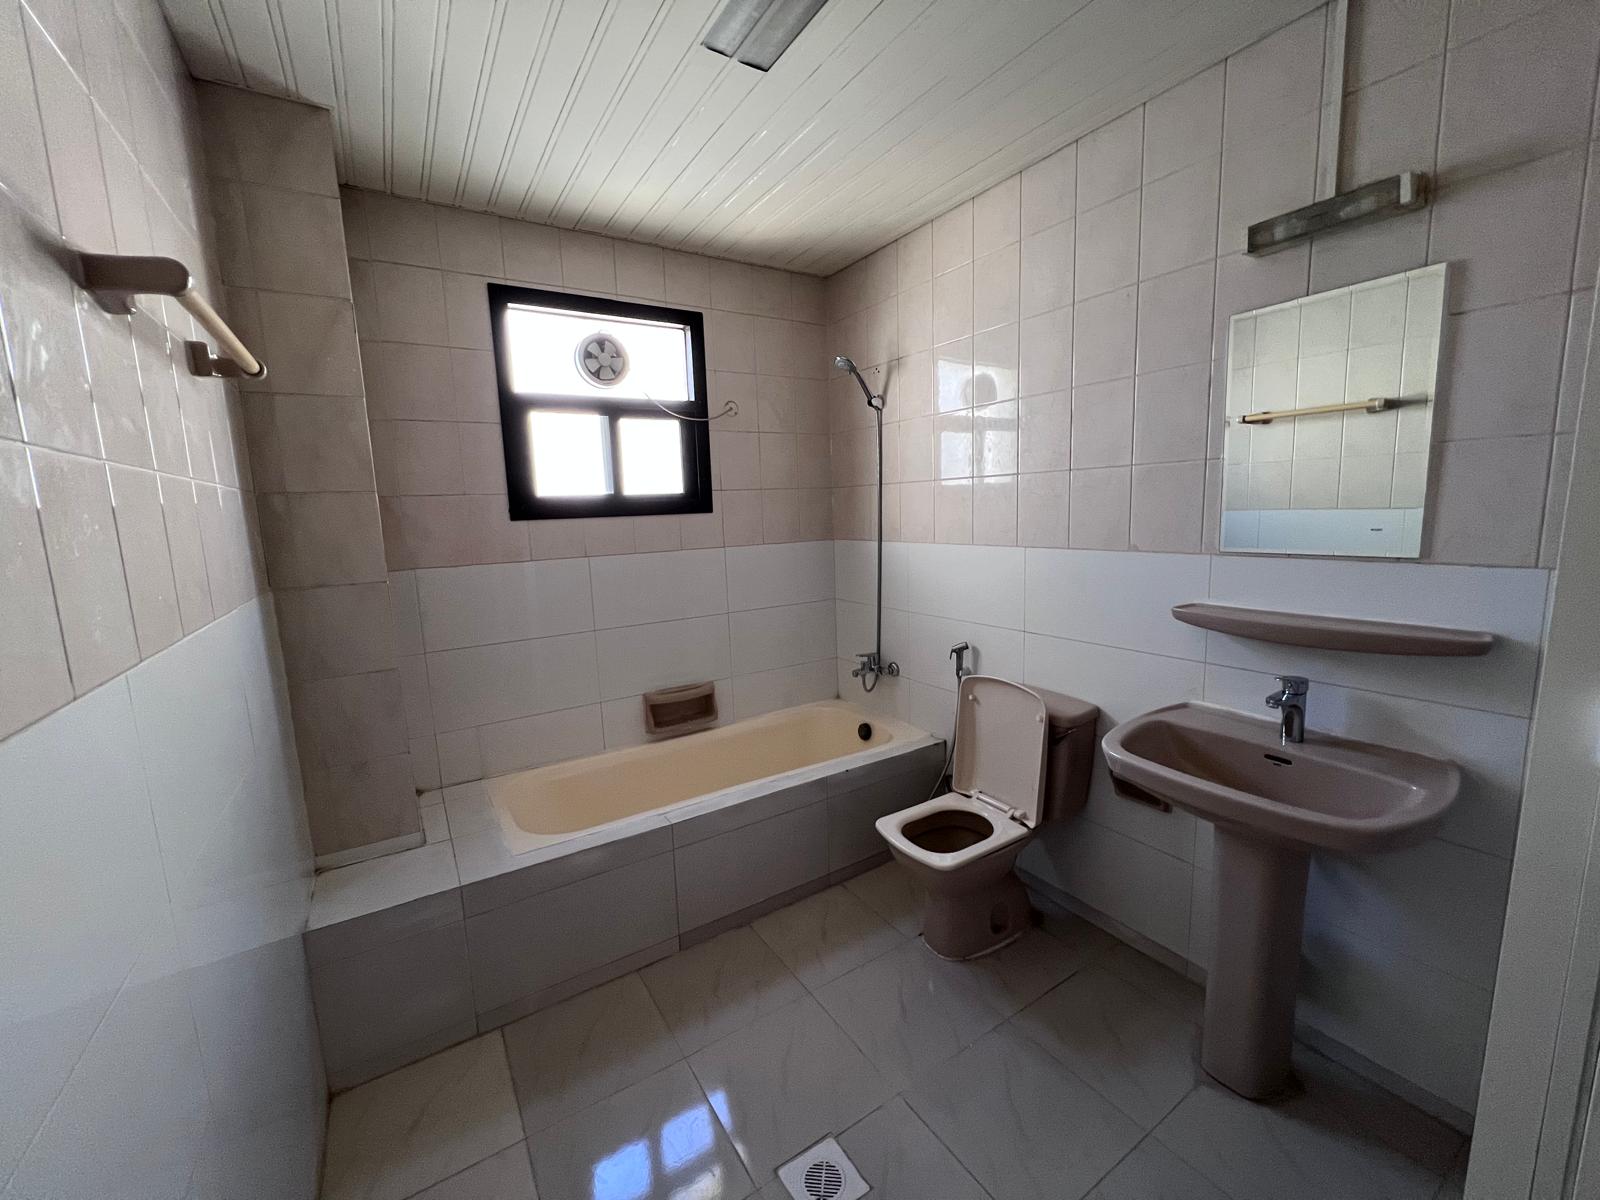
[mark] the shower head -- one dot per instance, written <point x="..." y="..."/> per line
<point x="874" y="402"/>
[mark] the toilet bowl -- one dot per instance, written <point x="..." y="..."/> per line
<point x="1022" y="756"/>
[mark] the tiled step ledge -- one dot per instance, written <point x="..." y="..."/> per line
<point x="421" y="949"/>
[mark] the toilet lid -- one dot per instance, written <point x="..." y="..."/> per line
<point x="1000" y="743"/>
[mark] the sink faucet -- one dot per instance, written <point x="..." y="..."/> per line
<point x="1290" y="701"/>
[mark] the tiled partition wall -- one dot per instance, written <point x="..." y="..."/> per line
<point x="1053" y="353"/>
<point x="280" y="238"/>
<point x="509" y="658"/>
<point x="155" y="1017"/>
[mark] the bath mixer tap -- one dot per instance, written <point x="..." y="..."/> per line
<point x="870" y="666"/>
<point x="1290" y="701"/>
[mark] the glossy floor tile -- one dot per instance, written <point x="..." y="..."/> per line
<point x="1119" y="1040"/>
<point x="785" y="1081"/>
<point x="657" y="1140"/>
<point x="1062" y="1067"/>
<point x="909" y="1011"/>
<point x="399" y="1134"/>
<point x="1025" y="1126"/>
<point x="582" y="1050"/>
<point x="823" y="936"/>
<point x="718" y="987"/>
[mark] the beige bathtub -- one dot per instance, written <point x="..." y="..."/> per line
<point x="550" y="804"/>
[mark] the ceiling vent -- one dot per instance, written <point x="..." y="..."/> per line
<point x="757" y="32"/>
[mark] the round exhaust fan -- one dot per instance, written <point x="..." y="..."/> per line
<point x="602" y="360"/>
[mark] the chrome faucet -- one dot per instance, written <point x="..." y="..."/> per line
<point x="869" y="666"/>
<point x="1290" y="701"/>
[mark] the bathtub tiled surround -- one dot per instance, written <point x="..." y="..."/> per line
<point x="155" y="876"/>
<point x="1054" y="351"/>
<point x="1061" y="1067"/>
<point x="422" y="949"/>
<point x="1097" y="625"/>
<point x="420" y="271"/>
<point x="507" y="666"/>
<point x="282" y="248"/>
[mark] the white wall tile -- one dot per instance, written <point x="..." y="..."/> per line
<point x="976" y="583"/>
<point x="783" y="687"/>
<point x="634" y="589"/>
<point x="1116" y="599"/>
<point x="1124" y="683"/>
<point x="482" y="685"/>
<point x="786" y="636"/>
<point x="642" y="658"/>
<point x="787" y="573"/>
<point x="1508" y="602"/>
<point x="503" y="602"/>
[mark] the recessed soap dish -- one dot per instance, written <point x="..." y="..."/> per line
<point x="675" y="710"/>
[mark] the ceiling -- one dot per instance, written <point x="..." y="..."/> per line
<point x="609" y="115"/>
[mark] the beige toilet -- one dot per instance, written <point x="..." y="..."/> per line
<point x="1022" y="756"/>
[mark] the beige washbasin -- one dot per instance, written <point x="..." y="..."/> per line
<point x="1272" y="805"/>
<point x="1326" y="793"/>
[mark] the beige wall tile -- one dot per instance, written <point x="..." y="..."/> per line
<point x="469" y="242"/>
<point x="532" y="252"/>
<point x="309" y="443"/>
<point x="182" y="519"/>
<point x="146" y="561"/>
<point x="587" y="262"/>
<point x="296" y="242"/>
<point x="417" y="458"/>
<point x="356" y="806"/>
<point x="349" y="720"/>
<point x="33" y="661"/>
<point x="319" y="538"/>
<point x="1098" y="511"/>
<point x="1167" y="506"/>
<point x="80" y="539"/>
<point x="309" y="344"/>
<point x="333" y="631"/>
<point x="1042" y="509"/>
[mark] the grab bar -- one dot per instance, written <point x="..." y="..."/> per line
<point x="115" y="279"/>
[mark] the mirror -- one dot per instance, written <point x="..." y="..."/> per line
<point x="1330" y="420"/>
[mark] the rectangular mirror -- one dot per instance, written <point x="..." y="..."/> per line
<point x="1330" y="420"/>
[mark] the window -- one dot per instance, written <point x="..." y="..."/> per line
<point x="602" y="405"/>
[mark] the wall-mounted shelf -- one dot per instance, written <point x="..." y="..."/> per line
<point x="1335" y="633"/>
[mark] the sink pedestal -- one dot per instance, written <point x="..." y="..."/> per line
<point x="1255" y="966"/>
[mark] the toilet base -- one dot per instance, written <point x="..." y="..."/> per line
<point x="978" y="921"/>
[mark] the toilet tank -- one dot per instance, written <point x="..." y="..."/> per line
<point x="1069" y="754"/>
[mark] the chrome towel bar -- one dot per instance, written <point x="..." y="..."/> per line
<point x="115" y="279"/>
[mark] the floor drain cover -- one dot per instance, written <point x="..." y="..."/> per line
<point x="822" y="1173"/>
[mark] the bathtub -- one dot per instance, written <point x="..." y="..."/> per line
<point x="705" y="770"/>
<point x="555" y="879"/>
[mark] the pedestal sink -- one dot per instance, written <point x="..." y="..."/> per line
<point x="1272" y="806"/>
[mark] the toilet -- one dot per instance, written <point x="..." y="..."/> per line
<point x="1022" y="756"/>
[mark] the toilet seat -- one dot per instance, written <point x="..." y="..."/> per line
<point x="1007" y="831"/>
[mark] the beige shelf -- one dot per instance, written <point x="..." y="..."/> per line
<point x="1335" y="633"/>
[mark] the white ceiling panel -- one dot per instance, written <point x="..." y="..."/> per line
<point x="609" y="115"/>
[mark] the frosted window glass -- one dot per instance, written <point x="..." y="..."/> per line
<point x="569" y="454"/>
<point x="545" y="348"/>
<point x="652" y="457"/>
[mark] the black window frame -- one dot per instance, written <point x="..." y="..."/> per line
<point x="515" y="407"/>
